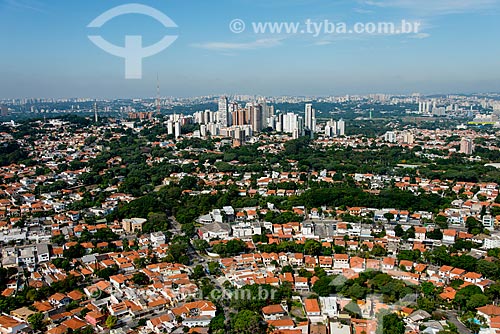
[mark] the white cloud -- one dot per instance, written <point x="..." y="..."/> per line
<point x="323" y="42"/>
<point x="436" y="7"/>
<point x="227" y="46"/>
<point x="421" y="35"/>
<point x="25" y="5"/>
<point x="363" y="11"/>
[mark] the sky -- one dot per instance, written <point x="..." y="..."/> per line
<point x="46" y="52"/>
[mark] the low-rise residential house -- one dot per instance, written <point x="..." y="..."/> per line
<point x="282" y="324"/>
<point x="273" y="312"/>
<point x="161" y="324"/>
<point x="488" y="312"/>
<point x="472" y="277"/>
<point x="449" y="236"/>
<point x="340" y="261"/>
<point x="420" y="233"/>
<point x="445" y="271"/>
<point x="301" y="284"/>
<point x="312" y="307"/>
<point x="11" y="325"/>
<point x="388" y="263"/>
<point x="58" y="299"/>
<point x="406" y="265"/>
<point x="214" y="231"/>
<point x="196" y="314"/>
<point x="158" y="238"/>
<point x="456" y="273"/>
<point x="95" y="318"/>
<point x="43" y="253"/>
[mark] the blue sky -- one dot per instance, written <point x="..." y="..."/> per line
<point x="46" y="52"/>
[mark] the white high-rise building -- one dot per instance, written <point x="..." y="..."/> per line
<point x="427" y="106"/>
<point x="310" y="117"/>
<point x="279" y="123"/>
<point x="390" y="136"/>
<point x="223" y="111"/>
<point x="207" y="117"/>
<point x="198" y="117"/>
<point x="177" y="129"/>
<point x="170" y="127"/>
<point x="334" y="129"/>
<point x="331" y="128"/>
<point x="292" y="123"/>
<point x="341" y="127"/>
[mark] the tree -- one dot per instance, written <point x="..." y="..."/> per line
<point x="428" y="289"/>
<point x="323" y="286"/>
<point x="198" y="272"/>
<point x="465" y="262"/>
<point x="107" y="272"/>
<point x="189" y="229"/>
<point x="426" y="304"/>
<point x="214" y="268"/>
<point x="409" y="255"/>
<point x="111" y="321"/>
<point x="74" y="252"/>
<point x="36" y="321"/>
<point x="409" y="234"/>
<point x="393" y="324"/>
<point x="474" y="226"/>
<point x="442" y="221"/>
<point x="157" y="221"/>
<point x="217" y="323"/>
<point x="378" y="251"/>
<point x="62" y="263"/>
<point x="355" y="291"/>
<point x="200" y="245"/>
<point x="389" y="216"/>
<point x="476" y="301"/>
<point x="488" y="269"/>
<point x="58" y="239"/>
<point x="312" y="247"/>
<point x="435" y="234"/>
<point x="465" y="294"/>
<point x="246" y="322"/>
<point x="140" y="278"/>
<point x="398" y="230"/>
<point x="493" y="292"/>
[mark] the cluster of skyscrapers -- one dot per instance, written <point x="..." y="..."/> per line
<point x="240" y="122"/>
<point x="334" y="128"/>
<point x="231" y="117"/>
<point x="402" y="137"/>
<point x="431" y="108"/>
<point x="174" y="125"/>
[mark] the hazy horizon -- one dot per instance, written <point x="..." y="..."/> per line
<point x="47" y="52"/>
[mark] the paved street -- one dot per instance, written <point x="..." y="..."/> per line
<point x="452" y="317"/>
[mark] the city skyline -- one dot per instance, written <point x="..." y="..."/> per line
<point x="49" y="53"/>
